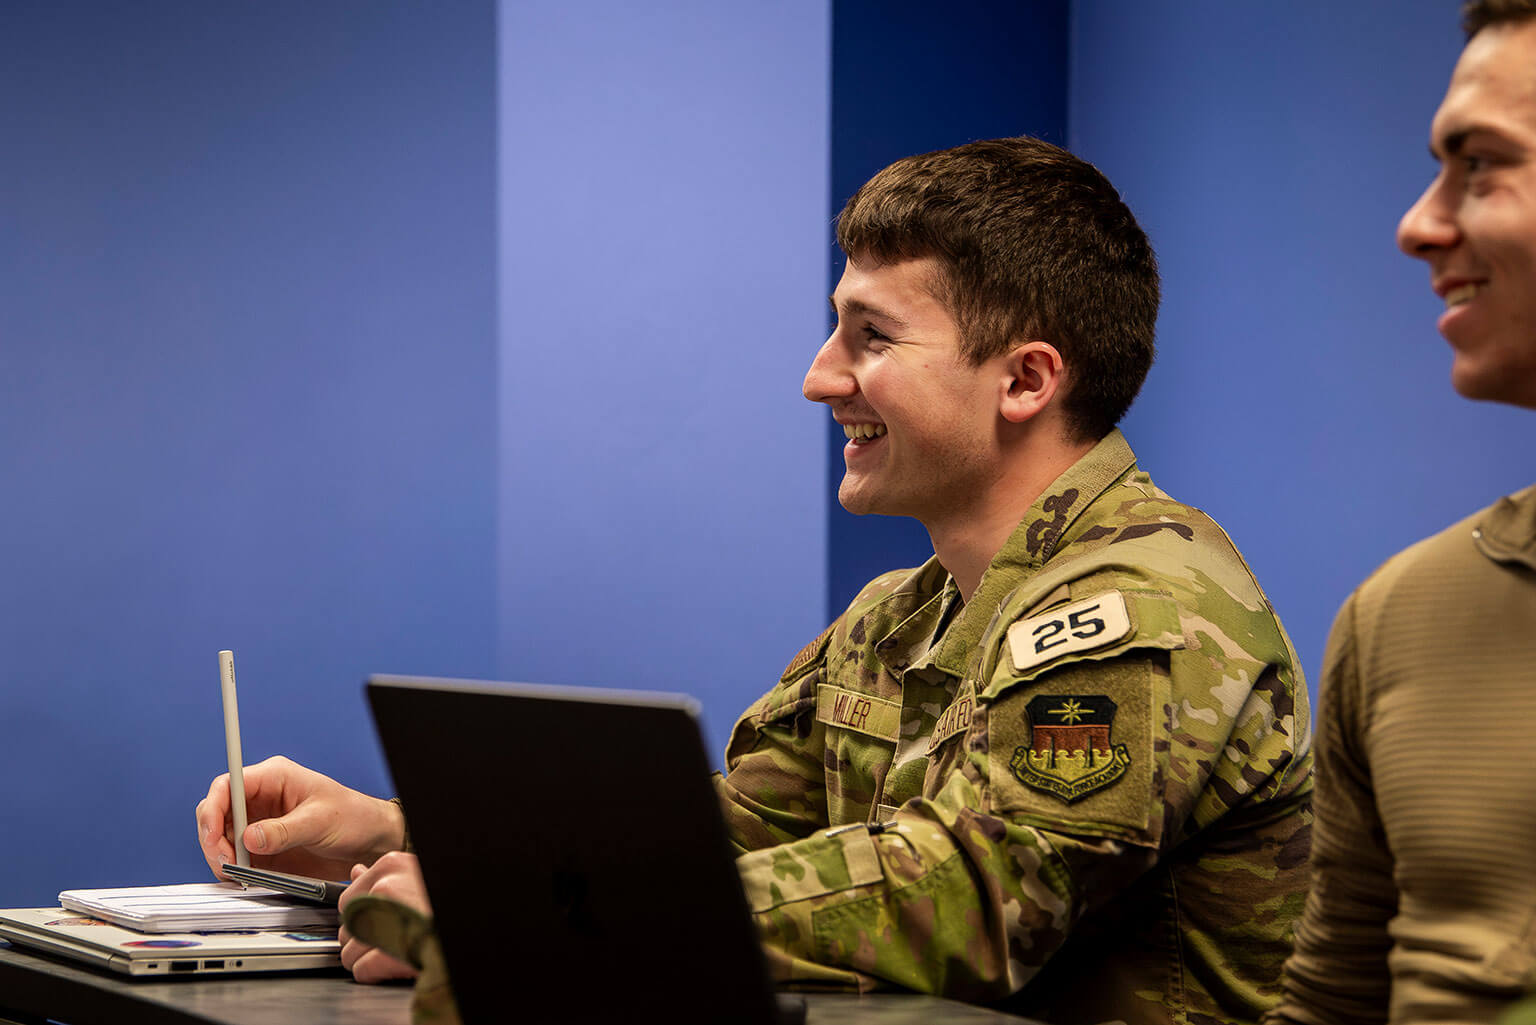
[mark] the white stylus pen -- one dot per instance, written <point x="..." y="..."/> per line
<point x="232" y="746"/>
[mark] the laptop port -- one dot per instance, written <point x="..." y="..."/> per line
<point x="183" y="966"/>
<point x="213" y="964"/>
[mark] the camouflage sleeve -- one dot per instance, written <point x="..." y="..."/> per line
<point x="969" y="893"/>
<point x="774" y="789"/>
<point x="944" y="899"/>
<point x="1338" y="971"/>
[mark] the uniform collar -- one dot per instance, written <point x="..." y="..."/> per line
<point x="1035" y="539"/>
<point x="1031" y="544"/>
<point x="1506" y="531"/>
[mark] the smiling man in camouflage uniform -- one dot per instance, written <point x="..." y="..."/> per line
<point x="1065" y="764"/>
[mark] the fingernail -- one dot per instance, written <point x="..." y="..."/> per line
<point x="261" y="838"/>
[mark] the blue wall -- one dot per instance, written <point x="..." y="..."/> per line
<point x="282" y="374"/>
<point x="663" y="255"/>
<point x="247" y="400"/>
<point x="468" y="340"/>
<point x="1301" y="394"/>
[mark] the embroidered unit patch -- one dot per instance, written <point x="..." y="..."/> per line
<point x="1070" y="753"/>
<point x="1082" y="626"/>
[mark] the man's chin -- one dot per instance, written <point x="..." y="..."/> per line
<point x="856" y="501"/>
<point x="862" y="503"/>
<point x="1491" y="384"/>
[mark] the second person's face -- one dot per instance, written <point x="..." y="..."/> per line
<point x="1476" y="223"/>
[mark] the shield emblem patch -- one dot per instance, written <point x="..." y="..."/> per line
<point x="1070" y="753"/>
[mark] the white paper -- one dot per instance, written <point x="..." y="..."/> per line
<point x="199" y="907"/>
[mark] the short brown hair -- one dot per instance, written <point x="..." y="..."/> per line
<point x="1033" y="243"/>
<point x="1477" y="15"/>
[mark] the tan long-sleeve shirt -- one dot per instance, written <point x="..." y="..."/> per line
<point x="1423" y="899"/>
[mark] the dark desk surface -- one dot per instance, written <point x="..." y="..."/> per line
<point x="33" y="988"/>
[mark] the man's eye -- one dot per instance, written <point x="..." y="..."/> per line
<point x="874" y="335"/>
<point x="1473" y="164"/>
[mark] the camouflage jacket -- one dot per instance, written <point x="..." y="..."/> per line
<point x="1084" y="794"/>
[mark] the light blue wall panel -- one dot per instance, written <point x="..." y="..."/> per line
<point x="1301" y="393"/>
<point x="664" y="248"/>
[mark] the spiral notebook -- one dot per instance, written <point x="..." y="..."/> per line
<point x="200" y="907"/>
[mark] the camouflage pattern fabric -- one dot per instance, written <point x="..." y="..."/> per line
<point x="1522" y="1012"/>
<point x="1083" y="795"/>
<point x="407" y="935"/>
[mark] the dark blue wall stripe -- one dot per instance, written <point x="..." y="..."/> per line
<point x="907" y="79"/>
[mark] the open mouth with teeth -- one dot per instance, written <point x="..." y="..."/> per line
<point x="1461" y="294"/>
<point x="863" y="434"/>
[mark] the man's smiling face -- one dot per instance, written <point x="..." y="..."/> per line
<point x="1476" y="223"/>
<point x="921" y="419"/>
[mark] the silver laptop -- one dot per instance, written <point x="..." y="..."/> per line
<point x="575" y="854"/>
<point x="128" y="952"/>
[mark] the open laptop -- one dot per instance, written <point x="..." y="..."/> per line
<point x="129" y="952"/>
<point x="575" y="853"/>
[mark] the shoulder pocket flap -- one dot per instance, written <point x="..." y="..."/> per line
<point x="796" y="690"/>
<point x="784" y="702"/>
<point x="812" y="653"/>
<point x="1101" y="626"/>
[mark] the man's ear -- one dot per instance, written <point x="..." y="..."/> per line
<point x="1033" y="374"/>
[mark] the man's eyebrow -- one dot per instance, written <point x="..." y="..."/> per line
<point x="861" y="308"/>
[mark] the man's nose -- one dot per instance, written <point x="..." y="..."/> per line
<point x="830" y="376"/>
<point x="1428" y="225"/>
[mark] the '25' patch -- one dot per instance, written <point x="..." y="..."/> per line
<point x="1081" y="626"/>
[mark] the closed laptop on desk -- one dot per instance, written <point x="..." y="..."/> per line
<point x="574" y="852"/>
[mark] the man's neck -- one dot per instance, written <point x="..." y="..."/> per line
<point x="967" y="542"/>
